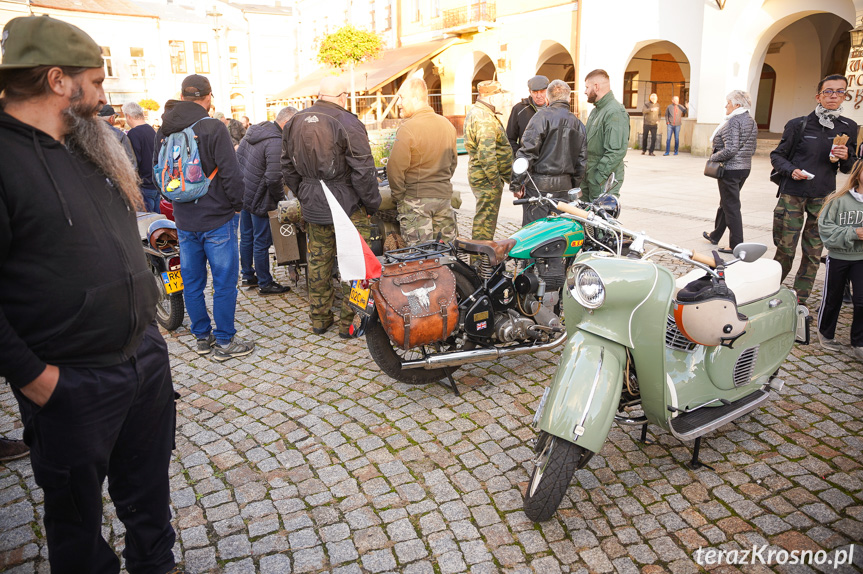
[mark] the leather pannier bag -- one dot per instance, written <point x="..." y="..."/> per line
<point x="416" y="302"/>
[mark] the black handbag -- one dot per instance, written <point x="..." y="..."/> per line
<point x="714" y="169"/>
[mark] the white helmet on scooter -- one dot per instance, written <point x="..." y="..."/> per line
<point x="706" y="313"/>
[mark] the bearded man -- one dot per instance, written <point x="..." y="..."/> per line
<point x="78" y="344"/>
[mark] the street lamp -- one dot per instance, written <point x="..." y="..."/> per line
<point x="216" y="17"/>
<point x="857" y="36"/>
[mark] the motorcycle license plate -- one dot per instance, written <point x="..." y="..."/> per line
<point x="173" y="281"/>
<point x="359" y="298"/>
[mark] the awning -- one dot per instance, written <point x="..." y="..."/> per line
<point x="371" y="76"/>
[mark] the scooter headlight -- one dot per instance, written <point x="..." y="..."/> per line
<point x="586" y="286"/>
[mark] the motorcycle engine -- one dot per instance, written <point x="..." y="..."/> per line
<point x="552" y="272"/>
<point x="511" y="327"/>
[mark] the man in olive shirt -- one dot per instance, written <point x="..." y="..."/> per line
<point x="421" y="166"/>
<point x="651" y="121"/>
<point x="607" y="136"/>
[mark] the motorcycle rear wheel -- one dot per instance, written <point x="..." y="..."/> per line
<point x="389" y="357"/>
<point x="557" y="463"/>
<point x="170" y="308"/>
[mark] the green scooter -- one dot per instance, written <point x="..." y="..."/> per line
<point x="689" y="354"/>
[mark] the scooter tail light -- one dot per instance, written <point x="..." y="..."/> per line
<point x="174" y="264"/>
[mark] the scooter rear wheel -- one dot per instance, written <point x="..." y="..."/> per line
<point x="557" y="462"/>
<point x="170" y="308"/>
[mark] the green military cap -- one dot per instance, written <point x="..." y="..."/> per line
<point x="32" y="41"/>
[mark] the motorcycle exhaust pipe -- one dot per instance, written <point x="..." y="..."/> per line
<point x="458" y="358"/>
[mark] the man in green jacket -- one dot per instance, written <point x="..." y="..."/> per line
<point x="490" y="164"/>
<point x="607" y="136"/>
<point x="421" y="166"/>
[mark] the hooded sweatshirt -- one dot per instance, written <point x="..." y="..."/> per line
<point x="75" y="289"/>
<point x="837" y="226"/>
<point x="259" y="156"/>
<point x="225" y="195"/>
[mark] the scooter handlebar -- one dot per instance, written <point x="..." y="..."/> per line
<point x="572" y="210"/>
<point x="521" y="201"/>
<point x="705" y="259"/>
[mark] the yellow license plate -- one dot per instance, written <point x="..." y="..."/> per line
<point x="173" y="281"/>
<point x="359" y="296"/>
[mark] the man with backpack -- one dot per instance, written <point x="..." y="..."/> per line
<point x="206" y="225"/>
<point x="805" y="164"/>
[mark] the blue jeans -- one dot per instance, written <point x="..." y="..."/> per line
<point x="672" y="130"/>
<point x="263" y="240"/>
<point x="151" y="199"/>
<point x="219" y="248"/>
<point x="246" y="243"/>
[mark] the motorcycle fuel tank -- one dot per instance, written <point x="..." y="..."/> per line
<point x="548" y="237"/>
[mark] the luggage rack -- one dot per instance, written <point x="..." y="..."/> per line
<point x="416" y="252"/>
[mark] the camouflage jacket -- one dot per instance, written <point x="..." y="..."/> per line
<point x="490" y="164"/>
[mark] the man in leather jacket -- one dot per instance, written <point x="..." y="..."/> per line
<point x="554" y="144"/>
<point x="327" y="142"/>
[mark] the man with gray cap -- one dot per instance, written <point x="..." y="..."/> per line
<point x="326" y="142"/>
<point x="521" y="113"/>
<point x="78" y="343"/>
<point x="490" y="163"/>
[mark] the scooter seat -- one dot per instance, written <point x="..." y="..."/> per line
<point x="496" y="250"/>
<point x="144" y="221"/>
<point x="748" y="281"/>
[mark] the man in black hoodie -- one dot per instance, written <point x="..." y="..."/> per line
<point x="207" y="227"/>
<point x="78" y="343"/>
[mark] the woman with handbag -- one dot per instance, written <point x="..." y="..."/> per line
<point x="733" y="147"/>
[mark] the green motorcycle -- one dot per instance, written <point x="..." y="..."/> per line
<point x="689" y="354"/>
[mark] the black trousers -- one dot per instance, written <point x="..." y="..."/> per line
<point x="117" y="422"/>
<point x="728" y="215"/>
<point x="652" y="131"/>
<point x="838" y="272"/>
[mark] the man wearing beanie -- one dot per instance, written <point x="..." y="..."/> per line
<point x="80" y="349"/>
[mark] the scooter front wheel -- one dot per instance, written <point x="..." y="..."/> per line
<point x="557" y="462"/>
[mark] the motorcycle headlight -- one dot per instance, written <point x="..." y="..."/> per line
<point x="587" y="287"/>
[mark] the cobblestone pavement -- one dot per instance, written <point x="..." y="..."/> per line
<point x="303" y="457"/>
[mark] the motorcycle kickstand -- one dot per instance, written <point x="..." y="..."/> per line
<point x="695" y="464"/>
<point x="451" y="384"/>
<point x="644" y="439"/>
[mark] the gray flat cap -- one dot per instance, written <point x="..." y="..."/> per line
<point x="537" y="83"/>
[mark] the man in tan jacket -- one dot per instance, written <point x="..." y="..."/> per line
<point x="420" y="168"/>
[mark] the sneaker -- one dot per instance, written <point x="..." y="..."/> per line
<point x="675" y="153"/>
<point x="829" y="344"/>
<point x="236" y="348"/>
<point x="204" y="346"/>
<point x="273" y="289"/>
<point x="666" y="153"/>
<point x="12" y="449"/>
<point x="250" y="282"/>
<point x="856" y="351"/>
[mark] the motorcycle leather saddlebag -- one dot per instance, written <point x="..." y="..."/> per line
<point x="416" y="302"/>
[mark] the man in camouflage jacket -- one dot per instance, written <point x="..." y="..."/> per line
<point x="490" y="164"/>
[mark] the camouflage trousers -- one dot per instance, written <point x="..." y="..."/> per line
<point x="791" y="216"/>
<point x="487" y="208"/>
<point x="423" y="218"/>
<point x="321" y="258"/>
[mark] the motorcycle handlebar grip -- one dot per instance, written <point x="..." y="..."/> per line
<point x="521" y="201"/>
<point x="567" y="208"/>
<point x="701" y="258"/>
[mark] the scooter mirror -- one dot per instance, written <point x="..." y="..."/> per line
<point x="749" y="252"/>
<point x="520" y="165"/>
<point x="384" y="161"/>
<point x="609" y="183"/>
<point x="574" y="194"/>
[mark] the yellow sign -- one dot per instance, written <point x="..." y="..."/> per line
<point x="173" y="281"/>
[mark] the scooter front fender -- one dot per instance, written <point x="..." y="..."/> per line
<point x="585" y="392"/>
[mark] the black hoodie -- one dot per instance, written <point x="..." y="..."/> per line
<point x="75" y="289"/>
<point x="225" y="194"/>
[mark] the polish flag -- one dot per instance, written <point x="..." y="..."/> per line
<point x="356" y="260"/>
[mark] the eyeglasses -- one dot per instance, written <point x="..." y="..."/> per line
<point x="831" y="92"/>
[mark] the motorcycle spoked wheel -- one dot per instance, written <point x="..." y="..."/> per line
<point x="389" y="357"/>
<point x="558" y="460"/>
<point x="170" y="308"/>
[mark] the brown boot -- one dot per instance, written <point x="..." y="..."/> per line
<point x="12" y="449"/>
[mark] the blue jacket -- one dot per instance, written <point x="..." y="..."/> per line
<point x="259" y="156"/>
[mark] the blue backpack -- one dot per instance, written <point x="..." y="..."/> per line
<point x="178" y="172"/>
